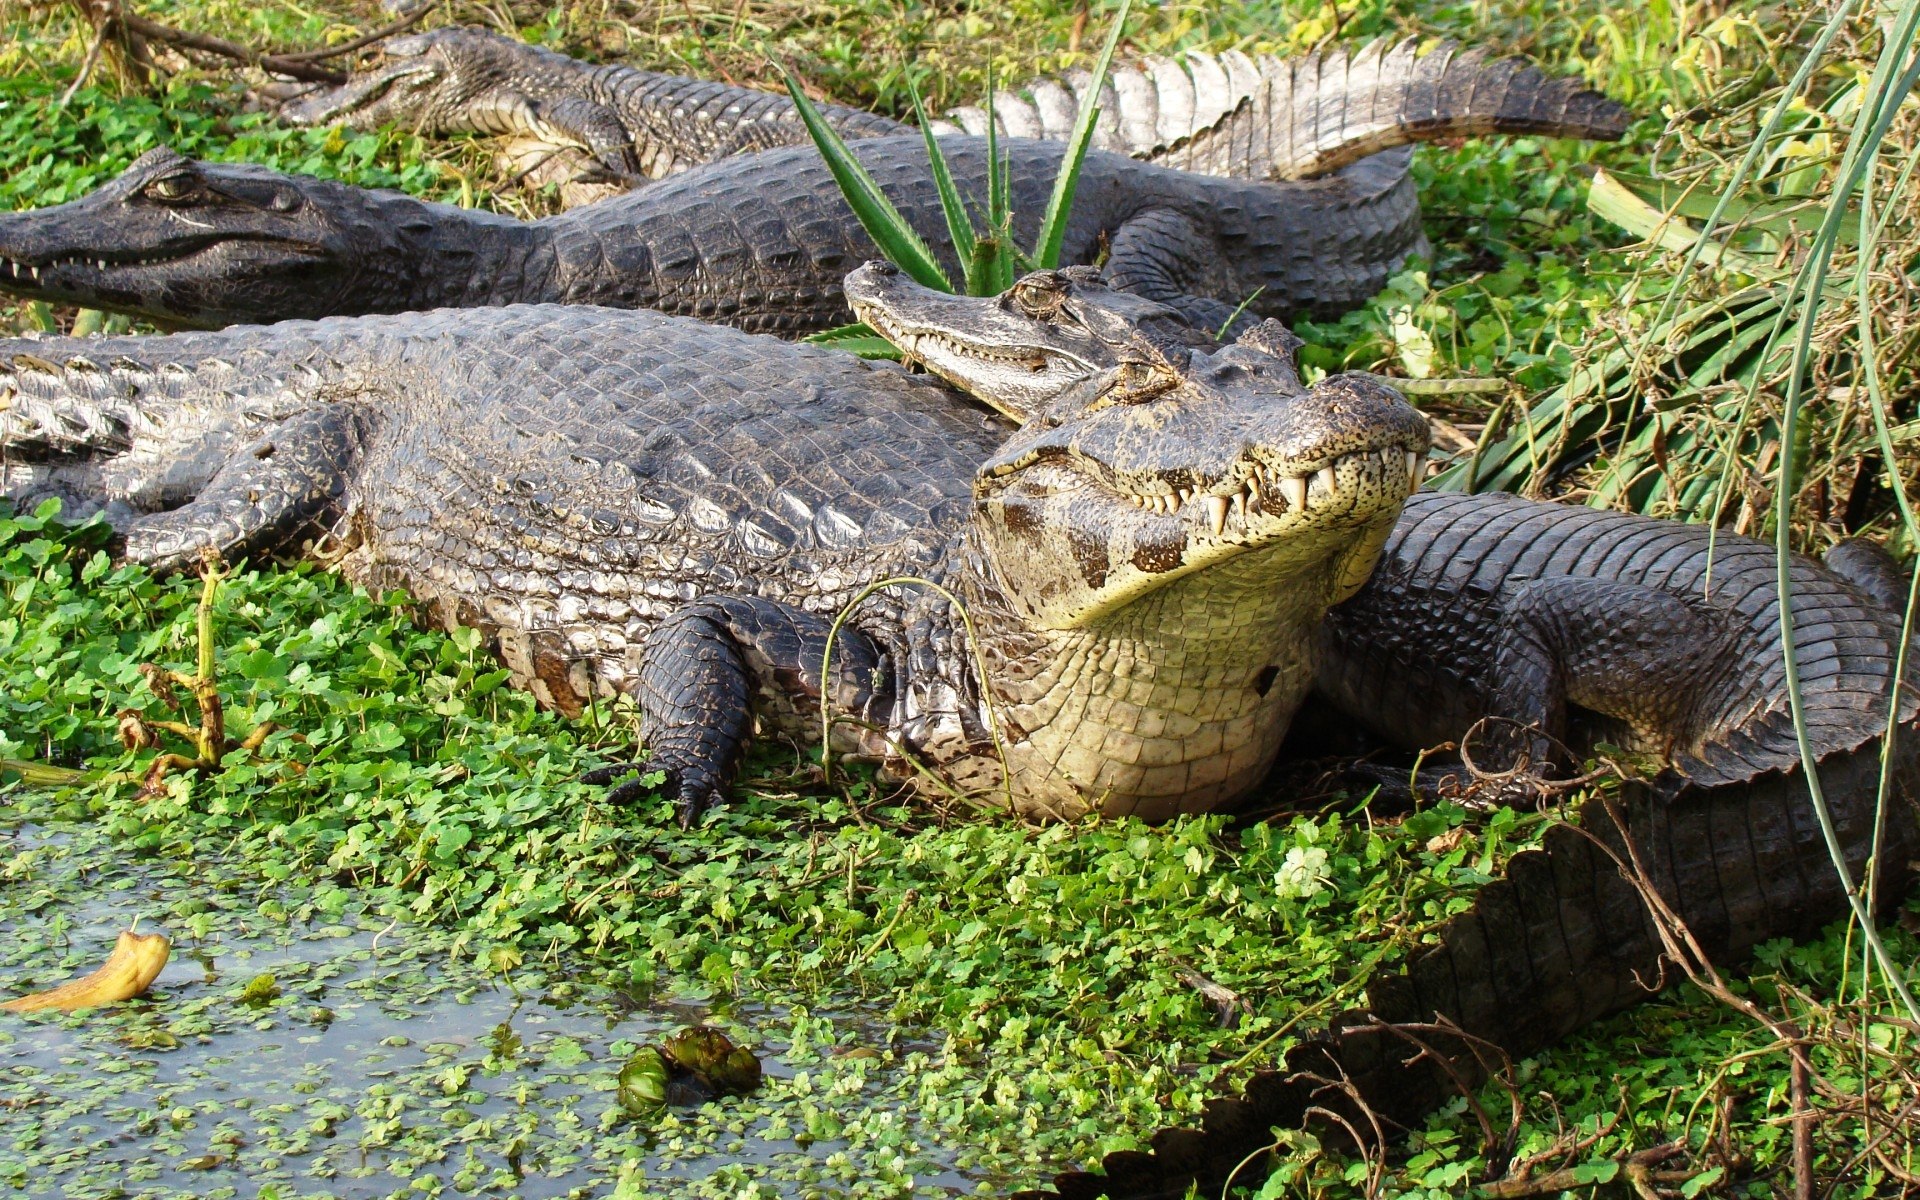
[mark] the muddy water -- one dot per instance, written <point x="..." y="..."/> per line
<point x="298" y="1045"/>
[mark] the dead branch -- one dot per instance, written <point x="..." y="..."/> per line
<point x="1636" y="1167"/>
<point x="154" y="31"/>
<point x="112" y="21"/>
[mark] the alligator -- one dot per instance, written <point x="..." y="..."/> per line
<point x="758" y="241"/>
<point x="1222" y="114"/>
<point x="1585" y="630"/>
<point x="762" y="241"/>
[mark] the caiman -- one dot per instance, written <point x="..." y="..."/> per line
<point x="1585" y="628"/>
<point x="1222" y="114"/>
<point x="761" y="241"/>
<point x="677" y="511"/>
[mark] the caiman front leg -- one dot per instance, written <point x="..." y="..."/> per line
<point x="1638" y="655"/>
<point x="715" y="666"/>
<point x="283" y="483"/>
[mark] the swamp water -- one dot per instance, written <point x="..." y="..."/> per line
<point x="298" y="1045"/>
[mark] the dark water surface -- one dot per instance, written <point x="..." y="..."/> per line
<point x="389" y="1063"/>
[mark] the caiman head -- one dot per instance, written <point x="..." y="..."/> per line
<point x="1152" y="549"/>
<point x="199" y="243"/>
<point x="421" y="81"/>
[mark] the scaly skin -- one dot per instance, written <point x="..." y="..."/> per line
<point x="1224" y="114"/>
<point x="779" y="480"/>
<point x="760" y="242"/>
<point x="637" y="503"/>
<point x="1589" y="626"/>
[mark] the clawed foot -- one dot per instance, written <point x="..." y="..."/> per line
<point x="693" y="791"/>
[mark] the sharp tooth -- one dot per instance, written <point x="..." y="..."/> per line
<point x="1217" y="513"/>
<point x="103" y="264"/>
<point x="1253" y="485"/>
<point x="1240" y="508"/>
<point x="1413" y="469"/>
<point x="1295" y="490"/>
<point x="1173" y="502"/>
<point x="35" y="271"/>
<point x="1327" y="482"/>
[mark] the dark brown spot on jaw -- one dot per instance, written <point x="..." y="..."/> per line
<point x="1155" y="556"/>
<point x="1091" y="554"/>
<point x="1023" y="516"/>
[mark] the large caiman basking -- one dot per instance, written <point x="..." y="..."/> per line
<point x="1221" y="114"/>
<point x="676" y="511"/>
<point x="762" y="241"/>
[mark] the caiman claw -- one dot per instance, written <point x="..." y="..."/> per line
<point x="694" y="791"/>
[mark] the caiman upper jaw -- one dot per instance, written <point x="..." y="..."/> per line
<point x="1262" y="489"/>
<point x="325" y="105"/>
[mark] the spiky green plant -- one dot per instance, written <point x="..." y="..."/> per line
<point x="989" y="257"/>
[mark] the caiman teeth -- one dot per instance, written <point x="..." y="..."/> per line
<point x="1274" y="493"/>
<point x="1217" y="513"/>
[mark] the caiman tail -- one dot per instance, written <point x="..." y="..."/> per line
<point x="1296" y="118"/>
<point x="1562" y="939"/>
<point x="1727" y="836"/>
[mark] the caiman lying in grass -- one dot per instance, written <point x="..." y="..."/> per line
<point x="762" y="241"/>
<point x="638" y="503"/>
<point x="1223" y="114"/>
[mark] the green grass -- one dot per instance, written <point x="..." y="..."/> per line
<point x="1045" y="961"/>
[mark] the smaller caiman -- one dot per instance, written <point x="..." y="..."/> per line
<point x="1222" y="114"/>
<point x="762" y="241"/>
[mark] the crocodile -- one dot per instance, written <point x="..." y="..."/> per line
<point x="646" y="505"/>
<point x="1585" y="629"/>
<point x="762" y="241"/>
<point x="1222" y="114"/>
<point x="1593" y="625"/>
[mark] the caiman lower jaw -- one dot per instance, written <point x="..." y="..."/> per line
<point x="18" y="274"/>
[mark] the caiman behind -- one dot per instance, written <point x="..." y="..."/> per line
<point x="761" y="241"/>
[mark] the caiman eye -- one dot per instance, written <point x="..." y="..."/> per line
<point x="1134" y="383"/>
<point x="171" y="189"/>
<point x="1039" y="295"/>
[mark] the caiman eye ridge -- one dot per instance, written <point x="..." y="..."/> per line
<point x="1273" y="492"/>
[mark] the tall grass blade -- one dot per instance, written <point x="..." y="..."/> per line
<point x="889" y="230"/>
<point x="959" y="224"/>
<point x="998" y="262"/>
<point x="1053" y="227"/>
<point x="1886" y="92"/>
